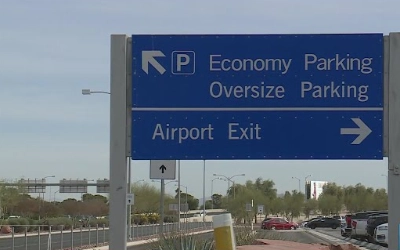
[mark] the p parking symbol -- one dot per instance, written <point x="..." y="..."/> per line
<point x="183" y="62"/>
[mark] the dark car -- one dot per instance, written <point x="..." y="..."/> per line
<point x="374" y="221"/>
<point x="324" y="223"/>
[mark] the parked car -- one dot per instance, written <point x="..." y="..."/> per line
<point x="279" y="224"/>
<point x="359" y="224"/>
<point x="381" y="234"/>
<point x="264" y="223"/>
<point x="345" y="228"/>
<point x="345" y="231"/>
<point x="339" y="217"/>
<point x="326" y="222"/>
<point x="374" y="221"/>
<point x="305" y="223"/>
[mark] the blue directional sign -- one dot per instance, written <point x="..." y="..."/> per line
<point x="257" y="96"/>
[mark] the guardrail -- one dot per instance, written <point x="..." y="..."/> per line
<point x="79" y="238"/>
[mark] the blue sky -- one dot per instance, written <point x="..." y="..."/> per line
<point x="50" y="50"/>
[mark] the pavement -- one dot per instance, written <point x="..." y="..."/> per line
<point x="82" y="238"/>
<point x="335" y="233"/>
<point x="300" y="239"/>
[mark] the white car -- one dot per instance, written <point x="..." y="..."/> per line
<point x="381" y="234"/>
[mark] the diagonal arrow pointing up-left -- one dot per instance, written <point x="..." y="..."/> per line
<point x="148" y="57"/>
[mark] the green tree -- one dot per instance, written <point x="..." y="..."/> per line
<point x="147" y="198"/>
<point x="87" y="197"/>
<point x="328" y="204"/>
<point x="309" y="206"/>
<point x="193" y="203"/>
<point x="296" y="204"/>
<point x="380" y="198"/>
<point x="217" y="201"/>
<point x="276" y="206"/>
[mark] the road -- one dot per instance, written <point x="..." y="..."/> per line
<point x="78" y="239"/>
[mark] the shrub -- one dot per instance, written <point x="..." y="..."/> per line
<point x="60" y="223"/>
<point x="170" y="219"/>
<point x="140" y="219"/>
<point x="16" y="224"/>
<point x="33" y="225"/>
<point x="99" y="222"/>
<point x="245" y="236"/>
<point x="153" y="218"/>
<point x="184" y="242"/>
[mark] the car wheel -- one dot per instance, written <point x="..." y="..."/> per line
<point x="273" y="228"/>
<point x="292" y="228"/>
<point x="334" y="227"/>
<point x="313" y="227"/>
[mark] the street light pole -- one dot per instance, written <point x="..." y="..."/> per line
<point x="229" y="179"/>
<point x="44" y="178"/>
<point x="54" y="195"/>
<point x="299" y="183"/>
<point x="186" y="194"/>
<point x="212" y="190"/>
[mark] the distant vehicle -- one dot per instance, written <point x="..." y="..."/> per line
<point x="304" y="223"/>
<point x="280" y="224"/>
<point x="373" y="222"/>
<point x="14" y="217"/>
<point x="359" y="223"/>
<point x="381" y="234"/>
<point x="326" y="222"/>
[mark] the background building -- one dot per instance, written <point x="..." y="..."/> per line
<point x="314" y="189"/>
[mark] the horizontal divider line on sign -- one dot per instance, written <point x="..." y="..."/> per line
<point x="263" y="109"/>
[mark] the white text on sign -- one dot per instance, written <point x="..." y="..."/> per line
<point x="235" y="131"/>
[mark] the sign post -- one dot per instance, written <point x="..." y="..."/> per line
<point x="118" y="143"/>
<point x="203" y="97"/>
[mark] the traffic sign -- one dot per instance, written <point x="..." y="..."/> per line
<point x="249" y="207"/>
<point x="130" y="199"/>
<point x="257" y="96"/>
<point x="163" y="169"/>
<point x="260" y="209"/>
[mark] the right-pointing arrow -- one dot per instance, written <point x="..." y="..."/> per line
<point x="362" y="131"/>
<point x="148" y="57"/>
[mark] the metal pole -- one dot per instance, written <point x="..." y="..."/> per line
<point x="118" y="137"/>
<point x="162" y="207"/>
<point x="212" y="187"/>
<point x="129" y="206"/>
<point x="186" y="210"/>
<point x="299" y="186"/>
<point x="179" y="195"/>
<point x="234" y="189"/>
<point x="204" y="190"/>
<point x="227" y="196"/>
<point x="393" y="45"/>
